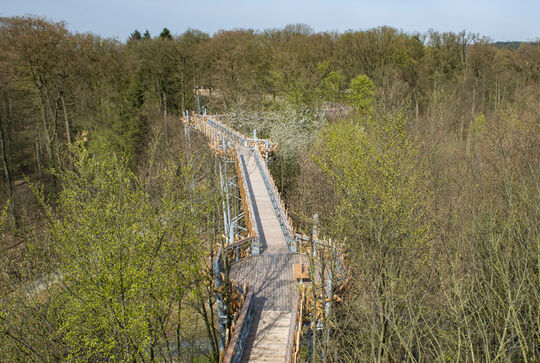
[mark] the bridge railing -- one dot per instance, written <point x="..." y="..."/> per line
<point x="295" y="327"/>
<point x="222" y="137"/>
<point x="305" y="242"/>
<point x="249" y="216"/>
<point x="240" y="331"/>
<point x="277" y="203"/>
<point x="239" y="307"/>
<point x="240" y="249"/>
<point x="217" y="132"/>
<point x="307" y="245"/>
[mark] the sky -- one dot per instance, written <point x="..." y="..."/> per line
<point x="500" y="20"/>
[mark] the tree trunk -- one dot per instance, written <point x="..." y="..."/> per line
<point x="66" y="120"/>
<point x="482" y="107"/>
<point x="158" y="90"/>
<point x="54" y="118"/>
<point x="165" y="128"/>
<point x="38" y="158"/>
<point x="49" y="145"/>
<point x="496" y="94"/>
<point x="461" y="125"/>
<point x="473" y="110"/>
<point x="7" y="172"/>
<point x="417" y="110"/>
<point x="10" y="113"/>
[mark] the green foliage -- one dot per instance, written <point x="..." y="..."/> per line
<point x="361" y="93"/>
<point x="379" y="215"/>
<point x="474" y="298"/>
<point x="165" y="34"/>
<point x="3" y="216"/>
<point x="331" y="86"/>
<point x="378" y="189"/>
<point x="129" y="252"/>
<point x="442" y="250"/>
<point x="135" y="36"/>
<point x="478" y="126"/>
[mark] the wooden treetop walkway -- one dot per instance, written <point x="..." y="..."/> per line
<point x="270" y="275"/>
<point x="268" y="271"/>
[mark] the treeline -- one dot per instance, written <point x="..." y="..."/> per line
<point x="66" y="82"/>
<point x="56" y="84"/>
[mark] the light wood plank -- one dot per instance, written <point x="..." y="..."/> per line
<point x="270" y="275"/>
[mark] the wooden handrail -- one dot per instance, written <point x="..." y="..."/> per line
<point x="241" y="330"/>
<point x="249" y="216"/>
<point x="295" y="330"/>
<point x="216" y="131"/>
<point x="239" y="242"/>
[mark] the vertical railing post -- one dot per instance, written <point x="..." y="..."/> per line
<point x="315" y="234"/>
<point x="217" y="267"/>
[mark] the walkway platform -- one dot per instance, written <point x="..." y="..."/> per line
<point x="270" y="275"/>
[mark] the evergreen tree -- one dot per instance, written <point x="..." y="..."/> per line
<point x="165" y="34"/>
<point x="135" y="36"/>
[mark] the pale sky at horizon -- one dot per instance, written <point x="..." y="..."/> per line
<point x="499" y="20"/>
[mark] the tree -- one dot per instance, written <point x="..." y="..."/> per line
<point x="129" y="251"/>
<point x="32" y="47"/>
<point x="360" y="94"/>
<point x="7" y="171"/>
<point x="331" y="86"/>
<point x="379" y="216"/>
<point x="236" y="58"/>
<point x="165" y="34"/>
<point x="136" y="36"/>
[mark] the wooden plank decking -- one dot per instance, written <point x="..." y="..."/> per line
<point x="270" y="275"/>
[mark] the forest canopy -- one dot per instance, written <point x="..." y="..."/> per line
<point x="418" y="152"/>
